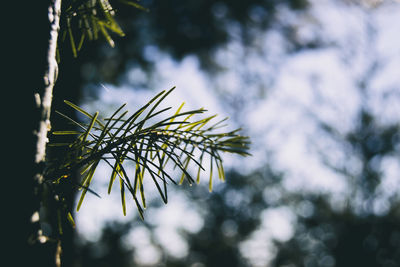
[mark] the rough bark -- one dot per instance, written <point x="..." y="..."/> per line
<point x="27" y="38"/>
<point x="43" y="250"/>
<point x="44" y="98"/>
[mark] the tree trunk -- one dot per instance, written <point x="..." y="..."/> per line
<point x="44" y="96"/>
<point x="34" y="77"/>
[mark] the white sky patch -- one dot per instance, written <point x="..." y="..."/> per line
<point x="185" y="216"/>
<point x="390" y="167"/>
<point x="279" y="222"/>
<point x="178" y="214"/>
<point x="145" y="252"/>
<point x="173" y="243"/>
<point x="258" y="249"/>
<point x="387" y="20"/>
<point x="304" y="170"/>
<point x="228" y="56"/>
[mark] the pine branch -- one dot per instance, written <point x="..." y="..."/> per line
<point x="88" y="19"/>
<point x="150" y="143"/>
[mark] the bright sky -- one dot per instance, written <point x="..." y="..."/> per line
<point x="277" y="98"/>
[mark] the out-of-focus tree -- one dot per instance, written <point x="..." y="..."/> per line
<point x="365" y="230"/>
<point x="342" y="238"/>
<point x="325" y="235"/>
<point x="109" y="250"/>
<point x="230" y="216"/>
<point x="179" y="29"/>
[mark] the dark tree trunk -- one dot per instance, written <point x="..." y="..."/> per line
<point x="33" y="74"/>
<point x="26" y="65"/>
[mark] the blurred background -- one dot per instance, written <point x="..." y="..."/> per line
<point x="314" y="83"/>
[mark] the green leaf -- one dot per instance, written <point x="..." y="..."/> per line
<point x="210" y="184"/>
<point x="71" y="38"/>
<point x="105" y="33"/>
<point x="138" y="184"/>
<point x="71" y="120"/>
<point x="81" y="111"/>
<point x="116" y="170"/>
<point x="162" y="193"/>
<point x="58" y="144"/>
<point x="122" y="186"/>
<point x="81" y="42"/>
<point x="71" y="219"/>
<point x="87" y="28"/>
<point x="66" y="132"/>
<point x="86" y="182"/>
<point x="134" y="4"/>
<point x="221" y="171"/>
<point x="185" y="166"/>
<point x="86" y="134"/>
<point x="200" y="167"/>
<point x="60" y="230"/>
<point x="175" y="115"/>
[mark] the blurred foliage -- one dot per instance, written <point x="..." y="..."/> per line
<point x="179" y="28"/>
<point x="370" y="142"/>
<point x="108" y="251"/>
<point x="330" y="238"/>
<point x="362" y="232"/>
<point x="230" y="214"/>
<point x="198" y="27"/>
<point x="324" y="234"/>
